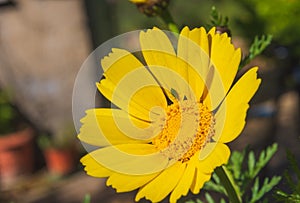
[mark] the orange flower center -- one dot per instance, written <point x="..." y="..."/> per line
<point x="183" y="130"/>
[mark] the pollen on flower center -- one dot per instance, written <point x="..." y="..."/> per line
<point x="184" y="130"/>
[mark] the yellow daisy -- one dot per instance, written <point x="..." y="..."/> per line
<point x="175" y="111"/>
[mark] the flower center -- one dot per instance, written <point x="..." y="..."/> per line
<point x="184" y="130"/>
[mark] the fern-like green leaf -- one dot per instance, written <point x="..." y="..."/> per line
<point x="222" y="200"/>
<point x="258" y="193"/>
<point x="236" y="162"/>
<point x="194" y="201"/>
<point x="214" y="185"/>
<point x="216" y="19"/>
<point x="257" y="47"/>
<point x="294" y="185"/>
<point x="251" y="163"/>
<point x="264" y="158"/>
<point x="209" y="198"/>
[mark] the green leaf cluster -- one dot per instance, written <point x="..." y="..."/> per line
<point x="217" y="19"/>
<point x="257" y="47"/>
<point x="7" y="114"/>
<point x="292" y="179"/>
<point x="243" y="169"/>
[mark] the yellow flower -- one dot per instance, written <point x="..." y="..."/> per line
<point x="174" y="116"/>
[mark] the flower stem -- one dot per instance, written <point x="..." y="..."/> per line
<point x="228" y="184"/>
<point x="168" y="20"/>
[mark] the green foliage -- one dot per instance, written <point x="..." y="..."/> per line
<point x="243" y="169"/>
<point x="244" y="177"/>
<point x="259" y="191"/>
<point x="209" y="199"/>
<point x="7" y="114"/>
<point x="279" y="17"/>
<point x="194" y="201"/>
<point x="216" y="19"/>
<point x="294" y="195"/>
<point x="87" y="198"/>
<point x="257" y="47"/>
<point x="63" y="140"/>
<point x="255" y="166"/>
<point x="215" y="185"/>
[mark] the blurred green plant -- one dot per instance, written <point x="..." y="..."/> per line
<point x="257" y="47"/>
<point x="280" y="17"/>
<point x="217" y="19"/>
<point x="8" y="114"/>
<point x="87" y="198"/>
<point x="243" y="169"/>
<point x="65" y="139"/>
<point x="292" y="179"/>
<point x="277" y="17"/>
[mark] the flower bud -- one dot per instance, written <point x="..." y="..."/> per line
<point x="223" y="29"/>
<point x="151" y="7"/>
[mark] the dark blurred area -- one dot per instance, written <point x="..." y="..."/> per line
<point x="42" y="47"/>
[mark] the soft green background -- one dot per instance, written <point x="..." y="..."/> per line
<point x="247" y="18"/>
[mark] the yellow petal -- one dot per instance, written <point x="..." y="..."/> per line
<point x="161" y="59"/>
<point x="104" y="127"/>
<point x="193" y="59"/>
<point x="230" y="117"/>
<point x="212" y="156"/>
<point x="129" y="85"/>
<point x="131" y="159"/>
<point x="93" y="168"/>
<point x="126" y="183"/>
<point x="225" y="60"/>
<point x="118" y="63"/>
<point x="199" y="179"/>
<point x="185" y="182"/>
<point x="157" y="48"/>
<point x="163" y="184"/>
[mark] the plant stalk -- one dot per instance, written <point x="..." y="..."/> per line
<point x="228" y="184"/>
<point x="168" y="20"/>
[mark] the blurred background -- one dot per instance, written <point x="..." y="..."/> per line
<point x="43" y="44"/>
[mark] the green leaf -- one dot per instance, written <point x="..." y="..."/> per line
<point x="214" y="185"/>
<point x="209" y="198"/>
<point x="240" y="175"/>
<point x="87" y="198"/>
<point x="236" y="162"/>
<point x="194" y="201"/>
<point x="264" y="158"/>
<point x="257" y="47"/>
<point x="222" y="200"/>
<point x="294" y="195"/>
<point x="211" y="186"/>
<point x="293" y="162"/>
<point x="251" y="163"/>
<point x="255" y="189"/>
<point x="258" y="193"/>
<point x="216" y="19"/>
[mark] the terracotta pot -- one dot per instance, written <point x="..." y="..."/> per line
<point x="60" y="161"/>
<point x="16" y="154"/>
